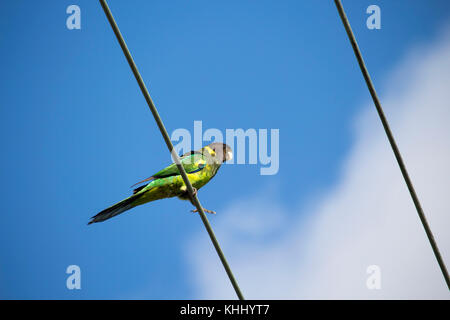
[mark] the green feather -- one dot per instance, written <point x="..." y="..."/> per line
<point x="191" y="163"/>
<point x="200" y="166"/>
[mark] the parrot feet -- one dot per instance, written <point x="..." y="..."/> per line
<point x="206" y="210"/>
<point x="196" y="210"/>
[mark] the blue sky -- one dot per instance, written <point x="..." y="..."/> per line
<point x="76" y="131"/>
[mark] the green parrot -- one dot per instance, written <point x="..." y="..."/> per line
<point x="201" y="166"/>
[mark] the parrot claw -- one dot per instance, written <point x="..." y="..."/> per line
<point x="206" y="210"/>
<point x="196" y="210"/>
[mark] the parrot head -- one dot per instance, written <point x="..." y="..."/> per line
<point x="220" y="152"/>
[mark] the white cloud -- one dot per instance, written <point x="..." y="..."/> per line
<point x="367" y="218"/>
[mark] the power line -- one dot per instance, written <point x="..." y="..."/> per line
<point x="166" y="137"/>
<point x="391" y="139"/>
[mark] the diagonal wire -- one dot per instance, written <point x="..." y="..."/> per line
<point x="166" y="137"/>
<point x="391" y="139"/>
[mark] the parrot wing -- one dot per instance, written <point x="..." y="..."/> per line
<point x="192" y="162"/>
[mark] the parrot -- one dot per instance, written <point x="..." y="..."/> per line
<point x="201" y="166"/>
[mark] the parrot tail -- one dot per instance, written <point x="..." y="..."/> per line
<point x="116" y="209"/>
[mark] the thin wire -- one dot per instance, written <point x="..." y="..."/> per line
<point x="168" y="142"/>
<point x="391" y="139"/>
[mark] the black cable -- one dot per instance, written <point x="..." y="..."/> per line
<point x="391" y="139"/>
<point x="170" y="146"/>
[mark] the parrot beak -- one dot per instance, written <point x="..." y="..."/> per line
<point x="229" y="155"/>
